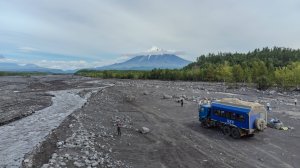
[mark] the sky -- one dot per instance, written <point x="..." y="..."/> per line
<point x="74" y="34"/>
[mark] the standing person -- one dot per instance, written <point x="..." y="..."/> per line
<point x="119" y="128"/>
<point x="268" y="106"/>
<point x="181" y="102"/>
<point x="295" y="101"/>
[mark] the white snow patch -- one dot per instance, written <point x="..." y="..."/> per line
<point x="20" y="137"/>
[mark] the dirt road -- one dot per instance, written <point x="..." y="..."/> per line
<point x="88" y="137"/>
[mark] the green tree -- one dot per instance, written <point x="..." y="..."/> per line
<point x="238" y="73"/>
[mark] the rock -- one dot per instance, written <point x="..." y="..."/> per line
<point x="26" y="161"/>
<point x="87" y="162"/>
<point x="62" y="163"/>
<point x="67" y="155"/>
<point x="261" y="159"/>
<point x="272" y="92"/>
<point x="165" y="96"/>
<point x="101" y="160"/>
<point x="54" y="155"/>
<point x="95" y="164"/>
<point x="145" y="93"/>
<point x="130" y="98"/>
<point x="52" y="161"/>
<point x="78" y="164"/>
<point x="60" y="144"/>
<point x="145" y="130"/>
<point x="45" y="166"/>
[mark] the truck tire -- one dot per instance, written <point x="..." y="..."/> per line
<point x="260" y="124"/>
<point x="235" y="133"/>
<point x="226" y="130"/>
<point x="203" y="124"/>
<point x="250" y="135"/>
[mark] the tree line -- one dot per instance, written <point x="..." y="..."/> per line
<point x="266" y="67"/>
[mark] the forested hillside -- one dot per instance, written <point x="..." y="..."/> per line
<point x="266" y="67"/>
<point x="277" y="57"/>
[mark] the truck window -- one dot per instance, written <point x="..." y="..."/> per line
<point x="233" y="116"/>
<point x="223" y="114"/>
<point x="202" y="110"/>
<point x="217" y="112"/>
<point x="240" y="117"/>
<point x="228" y="115"/>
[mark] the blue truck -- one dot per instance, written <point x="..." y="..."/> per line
<point x="236" y="118"/>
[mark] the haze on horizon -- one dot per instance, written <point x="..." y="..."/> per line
<point x="79" y="34"/>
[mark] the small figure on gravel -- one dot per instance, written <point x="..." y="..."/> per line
<point x="295" y="101"/>
<point x="268" y="107"/>
<point x="181" y="101"/>
<point x="119" y="128"/>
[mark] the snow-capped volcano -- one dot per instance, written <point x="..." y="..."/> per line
<point x="155" y="50"/>
<point x="152" y="58"/>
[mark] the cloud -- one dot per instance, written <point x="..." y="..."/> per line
<point x="8" y="60"/>
<point x="28" y="49"/>
<point x="106" y="29"/>
<point x="1" y="56"/>
<point x="67" y="65"/>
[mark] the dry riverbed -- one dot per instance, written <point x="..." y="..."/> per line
<point x="88" y="136"/>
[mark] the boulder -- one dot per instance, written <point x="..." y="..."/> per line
<point x="130" y="98"/>
<point x="144" y="130"/>
<point x="165" y="96"/>
<point x="272" y="92"/>
<point x="60" y="144"/>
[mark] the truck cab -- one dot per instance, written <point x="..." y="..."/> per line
<point x="204" y="112"/>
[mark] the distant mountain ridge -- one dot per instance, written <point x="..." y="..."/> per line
<point x="13" y="67"/>
<point x="148" y="62"/>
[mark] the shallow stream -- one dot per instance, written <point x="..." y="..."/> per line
<point x="20" y="137"/>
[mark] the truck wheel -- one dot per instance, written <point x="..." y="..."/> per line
<point x="235" y="133"/>
<point x="260" y="124"/>
<point x="204" y="124"/>
<point x="250" y="135"/>
<point x="226" y="130"/>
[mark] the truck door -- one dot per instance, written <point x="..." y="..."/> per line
<point x="203" y="112"/>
